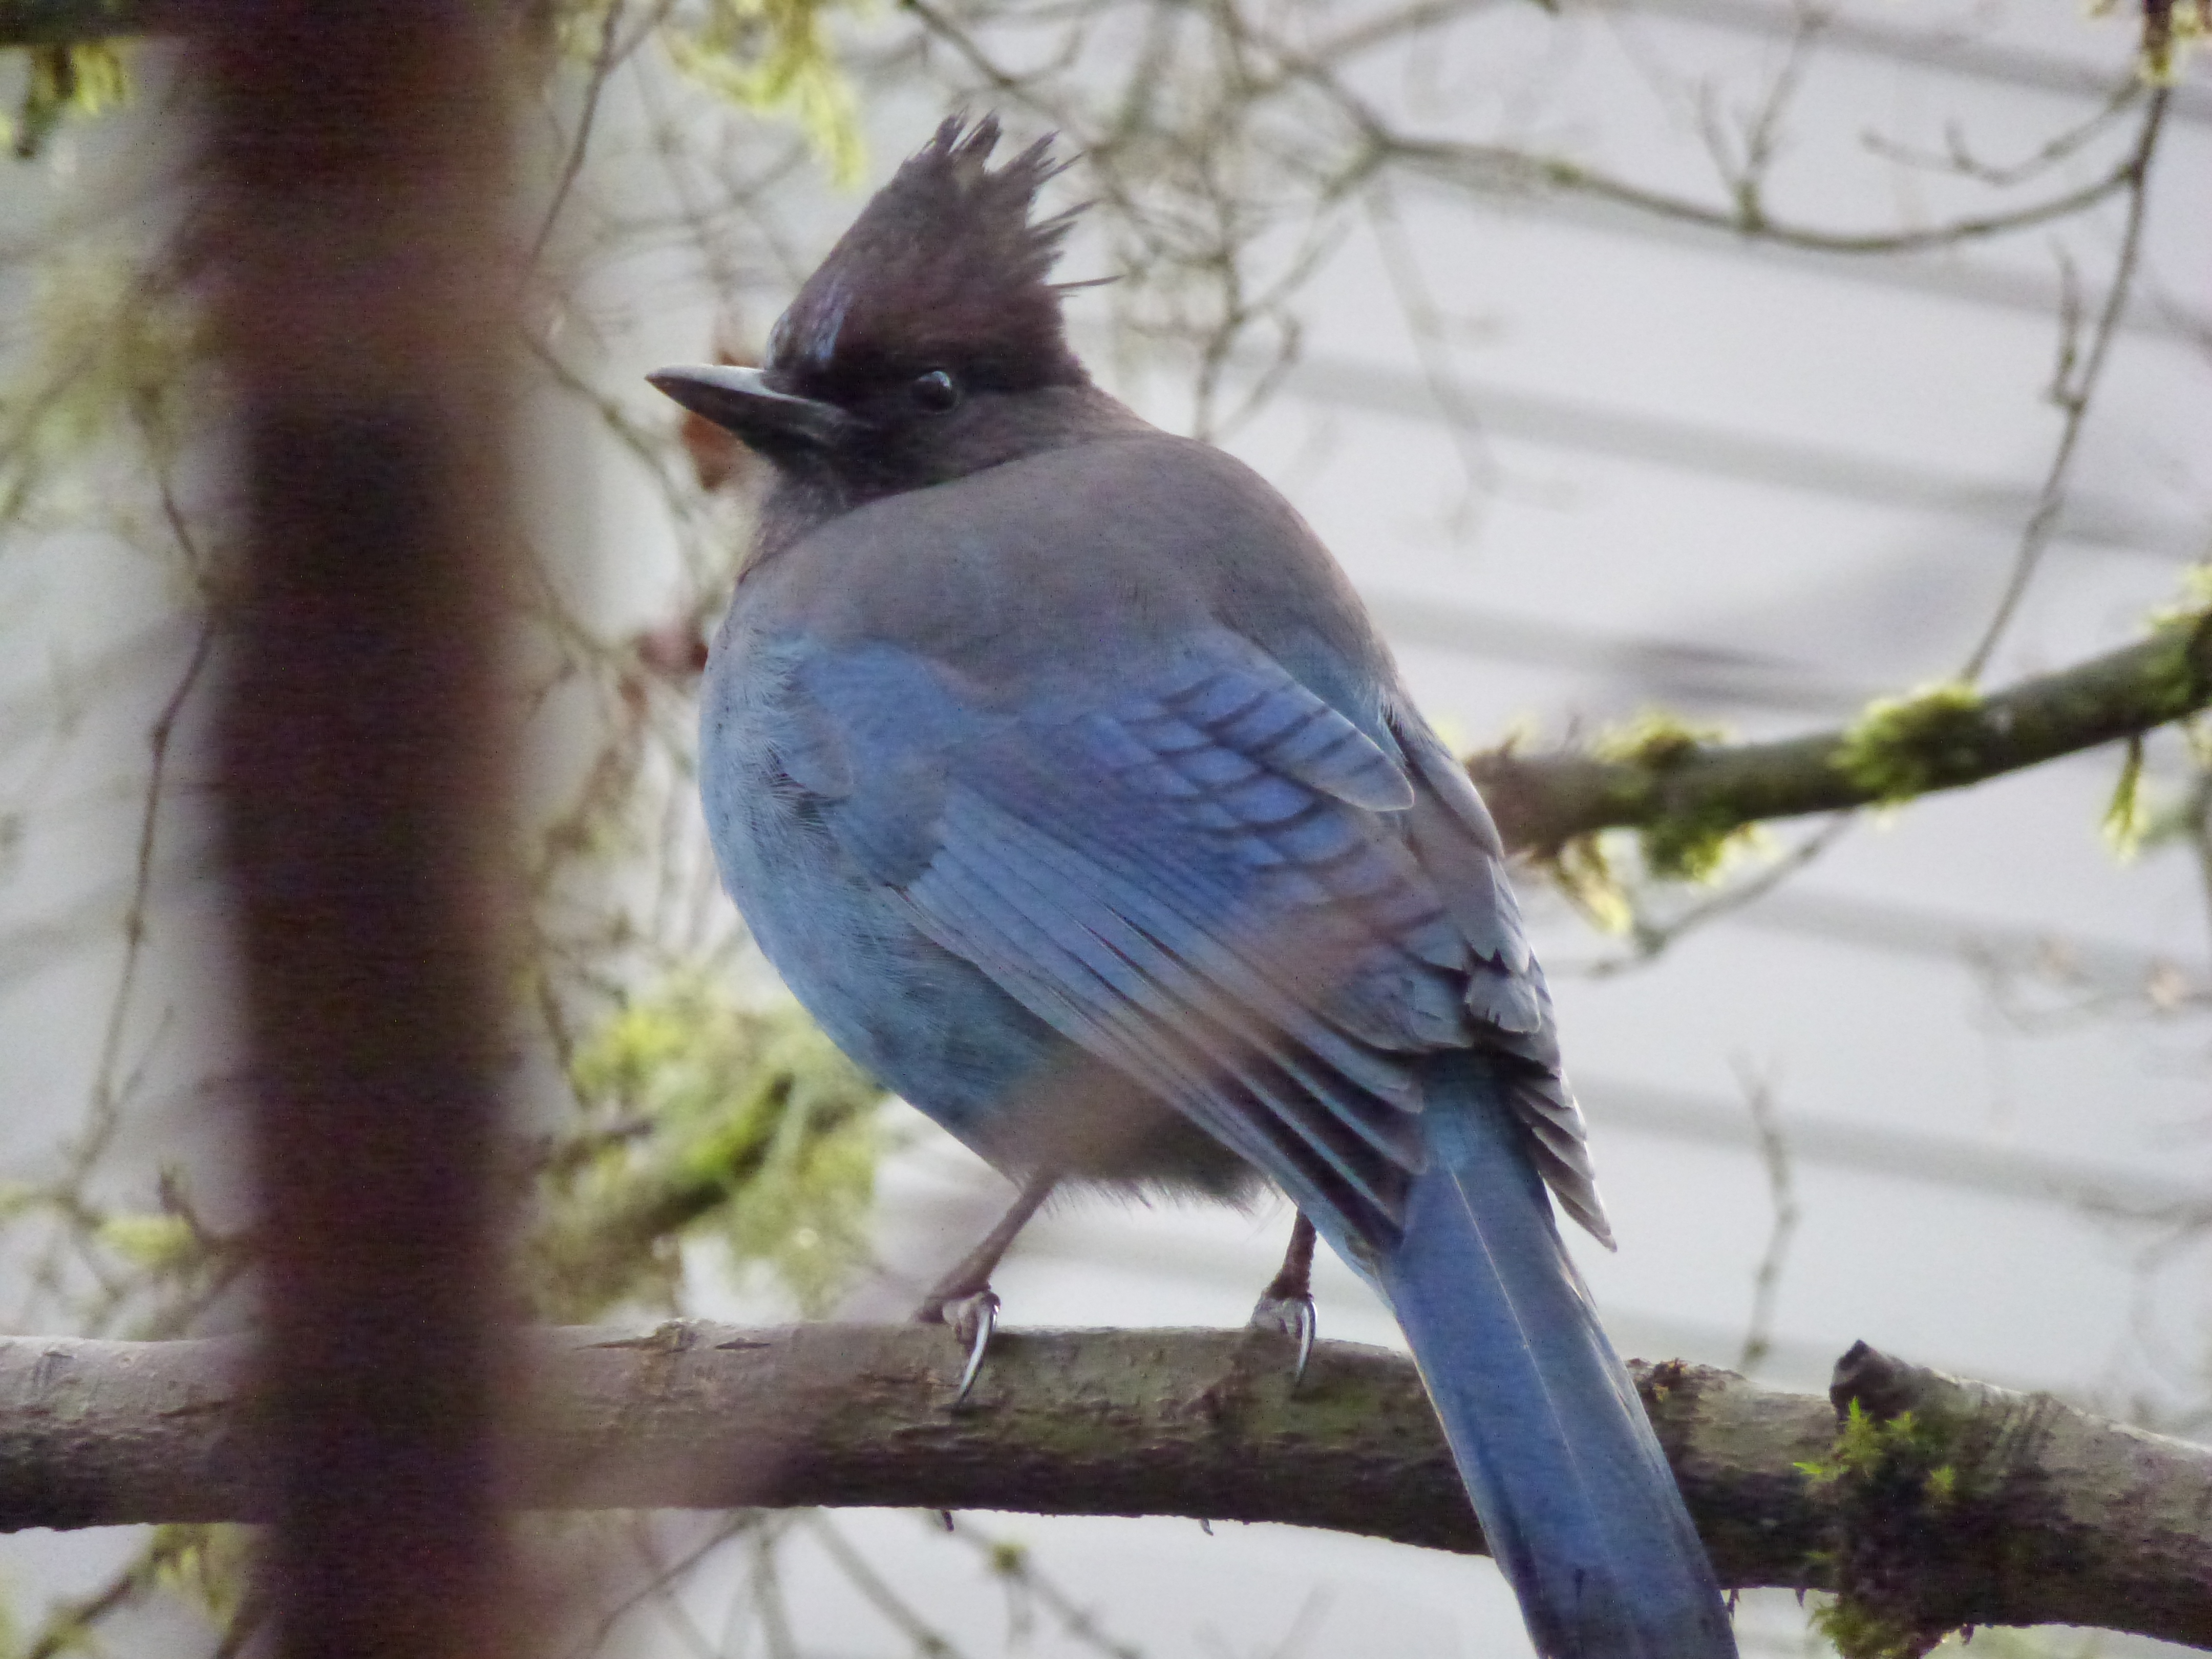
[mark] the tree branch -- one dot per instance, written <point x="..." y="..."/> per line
<point x="1499" y="170"/>
<point x="1980" y="1507"/>
<point x="79" y="22"/>
<point x="1543" y="801"/>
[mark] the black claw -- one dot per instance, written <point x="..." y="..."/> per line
<point x="972" y="1319"/>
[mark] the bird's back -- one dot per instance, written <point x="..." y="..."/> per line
<point x="974" y="635"/>
<point x="1022" y="574"/>
<point x="1051" y="579"/>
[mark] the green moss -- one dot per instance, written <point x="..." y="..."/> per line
<point x="2174" y="682"/>
<point x="1895" y="1488"/>
<point x="1864" y="1446"/>
<point x="2125" y="817"/>
<point x="1582" y="871"/>
<point x="1902" y="747"/>
<point x="1697" y="847"/>
<point x="2191" y="605"/>
<point x="705" y="1119"/>
<point x="1654" y="739"/>
<point x="1858" y="1632"/>
<point x="1691" y="845"/>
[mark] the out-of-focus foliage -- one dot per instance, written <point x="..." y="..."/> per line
<point x="766" y="55"/>
<point x="676" y="1127"/>
<point x="703" y="1117"/>
<point x="60" y="81"/>
<point x="2172" y="31"/>
<point x="1585" y="872"/>
<point x="113" y="370"/>
<point x="206" y="1564"/>
<point x="2127" y="818"/>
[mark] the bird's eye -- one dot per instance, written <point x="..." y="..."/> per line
<point x="935" y="392"/>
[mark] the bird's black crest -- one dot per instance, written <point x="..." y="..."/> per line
<point x="942" y="270"/>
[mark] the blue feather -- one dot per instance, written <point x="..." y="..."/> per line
<point x="1575" y="1498"/>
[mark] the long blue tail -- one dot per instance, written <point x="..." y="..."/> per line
<point x="1575" y="1497"/>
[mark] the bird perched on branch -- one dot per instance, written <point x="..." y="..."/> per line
<point x="1056" y="767"/>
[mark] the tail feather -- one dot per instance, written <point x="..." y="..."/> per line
<point x="1575" y="1498"/>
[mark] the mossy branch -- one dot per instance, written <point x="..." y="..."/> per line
<point x="1944" y="738"/>
<point x="1929" y="1502"/>
<point x="82" y="22"/>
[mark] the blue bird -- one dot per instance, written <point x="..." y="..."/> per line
<point x="1058" y="769"/>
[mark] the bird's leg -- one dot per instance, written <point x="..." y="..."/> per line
<point x="1287" y="1305"/>
<point x="964" y="1299"/>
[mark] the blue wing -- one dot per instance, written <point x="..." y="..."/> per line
<point x="1217" y="882"/>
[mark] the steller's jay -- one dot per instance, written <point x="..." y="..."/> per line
<point x="1058" y="769"/>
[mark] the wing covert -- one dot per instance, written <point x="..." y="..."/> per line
<point x="1221" y="885"/>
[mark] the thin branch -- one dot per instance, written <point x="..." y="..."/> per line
<point x="1650" y="939"/>
<point x="1426" y="321"/>
<point x="596" y="1638"/>
<point x="106" y="1092"/>
<point x="2072" y="393"/>
<point x="1492" y="168"/>
<point x="78" y="22"/>
<point x="1762" y="136"/>
<point x="604" y="62"/>
<point x="1541" y="802"/>
<point x="1014" y="1565"/>
<point x="674" y="1615"/>
<point x="1774" y="1154"/>
<point x="877" y="1592"/>
<point x="1959" y="160"/>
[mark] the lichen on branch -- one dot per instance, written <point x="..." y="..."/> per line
<point x="1687" y="796"/>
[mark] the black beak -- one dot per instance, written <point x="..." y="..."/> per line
<point x="741" y="400"/>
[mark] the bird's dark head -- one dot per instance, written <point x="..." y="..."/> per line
<point x="928" y="345"/>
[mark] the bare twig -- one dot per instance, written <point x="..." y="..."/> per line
<point x="1427" y="320"/>
<point x="1774" y="1157"/>
<point x="877" y="1592"/>
<point x="608" y="56"/>
<point x="601" y="1631"/>
<point x="2073" y="392"/>
<point x="107" y="1101"/>
<point x="1649" y="939"/>
<point x="1014" y="1565"/>
<point x="1958" y="157"/>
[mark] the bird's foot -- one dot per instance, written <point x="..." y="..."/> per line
<point x="962" y="1298"/>
<point x="971" y="1318"/>
<point x="1287" y="1305"/>
<point x="1293" y="1315"/>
